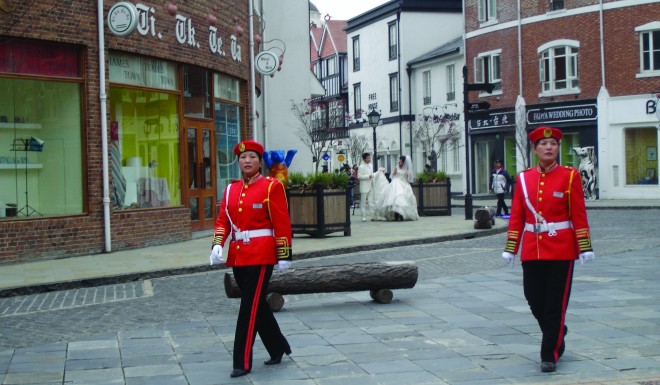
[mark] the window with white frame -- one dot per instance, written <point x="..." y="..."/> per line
<point x="427" y="87"/>
<point x="487" y="68"/>
<point x="649" y="48"/>
<point x="393" y="40"/>
<point x="356" y="53"/>
<point x="457" y="155"/>
<point x="558" y="67"/>
<point x="451" y="83"/>
<point x="357" y="101"/>
<point x="331" y="66"/>
<point x="394" y="92"/>
<point x="487" y="10"/>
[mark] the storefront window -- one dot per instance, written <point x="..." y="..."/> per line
<point x="41" y="152"/>
<point x="228" y="127"/>
<point x="641" y="156"/>
<point x="196" y="92"/>
<point x="144" y="134"/>
<point x="227" y="132"/>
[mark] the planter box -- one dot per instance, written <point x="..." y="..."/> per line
<point x="433" y="198"/>
<point x="319" y="212"/>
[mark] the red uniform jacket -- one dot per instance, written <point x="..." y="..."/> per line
<point x="261" y="204"/>
<point x="557" y="196"/>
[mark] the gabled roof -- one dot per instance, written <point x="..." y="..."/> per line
<point x="315" y="36"/>
<point x="334" y="38"/>
<point x="451" y="47"/>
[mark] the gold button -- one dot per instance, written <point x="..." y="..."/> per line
<point x="540" y="212"/>
<point x="540" y="191"/>
<point x="542" y="183"/>
<point x="540" y="236"/>
<point x="540" y="200"/>
<point x="245" y="186"/>
<point x="243" y="195"/>
<point x="240" y="209"/>
<point x="238" y="247"/>
<point x="542" y="175"/>
<point x="240" y="202"/>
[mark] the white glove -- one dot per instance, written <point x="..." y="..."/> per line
<point x="283" y="265"/>
<point x="216" y="255"/>
<point x="381" y="169"/>
<point x="587" y="257"/>
<point x="508" y="258"/>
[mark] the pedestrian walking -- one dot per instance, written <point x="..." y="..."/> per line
<point x="254" y="216"/>
<point x="500" y="182"/>
<point x="549" y="227"/>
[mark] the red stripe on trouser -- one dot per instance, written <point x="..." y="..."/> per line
<point x="253" y="318"/>
<point x="564" y="306"/>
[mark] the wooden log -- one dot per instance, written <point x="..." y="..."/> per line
<point x="378" y="278"/>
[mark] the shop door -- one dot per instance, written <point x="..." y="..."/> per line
<point x="484" y="158"/>
<point x="200" y="168"/>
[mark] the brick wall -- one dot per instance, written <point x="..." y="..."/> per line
<point x="75" y="22"/>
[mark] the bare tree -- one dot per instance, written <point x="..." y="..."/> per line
<point x="434" y="131"/>
<point x="357" y="145"/>
<point x="310" y="130"/>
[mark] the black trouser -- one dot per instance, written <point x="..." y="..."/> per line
<point x="547" y="286"/>
<point x="254" y="316"/>
<point x="501" y="205"/>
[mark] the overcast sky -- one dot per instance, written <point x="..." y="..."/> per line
<point x="345" y="9"/>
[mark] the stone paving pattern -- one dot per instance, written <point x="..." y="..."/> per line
<point x="465" y="322"/>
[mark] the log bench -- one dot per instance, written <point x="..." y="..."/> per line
<point x="378" y="278"/>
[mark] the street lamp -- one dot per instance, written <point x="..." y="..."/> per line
<point x="374" y="119"/>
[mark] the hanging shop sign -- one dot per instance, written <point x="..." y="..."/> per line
<point x="573" y="113"/>
<point x="122" y="18"/>
<point x="266" y="62"/>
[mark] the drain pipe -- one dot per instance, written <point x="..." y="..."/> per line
<point x="104" y="131"/>
<point x="602" y="45"/>
<point x="253" y="87"/>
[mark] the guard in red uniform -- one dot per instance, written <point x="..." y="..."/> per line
<point x="549" y="227"/>
<point x="254" y="216"/>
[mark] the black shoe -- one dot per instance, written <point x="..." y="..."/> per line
<point x="277" y="360"/>
<point x="274" y="361"/>
<point x="239" y="372"/>
<point x="547" y="367"/>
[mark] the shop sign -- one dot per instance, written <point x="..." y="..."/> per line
<point x="493" y="120"/>
<point x="266" y="62"/>
<point x="185" y="33"/>
<point x="577" y="113"/>
<point x="142" y="71"/>
<point x="652" y="106"/>
<point x="122" y="18"/>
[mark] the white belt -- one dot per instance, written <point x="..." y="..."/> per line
<point x="549" y="227"/>
<point x="247" y="234"/>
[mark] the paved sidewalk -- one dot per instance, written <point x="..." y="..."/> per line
<point x="466" y="329"/>
<point x="191" y="256"/>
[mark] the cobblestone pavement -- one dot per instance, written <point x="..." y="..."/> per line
<point x="78" y="314"/>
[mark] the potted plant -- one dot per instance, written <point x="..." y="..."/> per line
<point x="433" y="192"/>
<point x="318" y="203"/>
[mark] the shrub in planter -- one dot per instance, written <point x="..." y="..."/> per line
<point x="318" y="203"/>
<point x="432" y="191"/>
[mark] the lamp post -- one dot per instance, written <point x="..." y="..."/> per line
<point x="374" y="119"/>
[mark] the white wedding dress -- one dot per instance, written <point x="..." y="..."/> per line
<point x="395" y="197"/>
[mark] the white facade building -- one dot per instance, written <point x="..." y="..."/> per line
<point x="380" y="44"/>
<point x="286" y="32"/>
<point x="436" y="107"/>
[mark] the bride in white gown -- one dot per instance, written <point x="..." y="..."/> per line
<point x="396" y="200"/>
